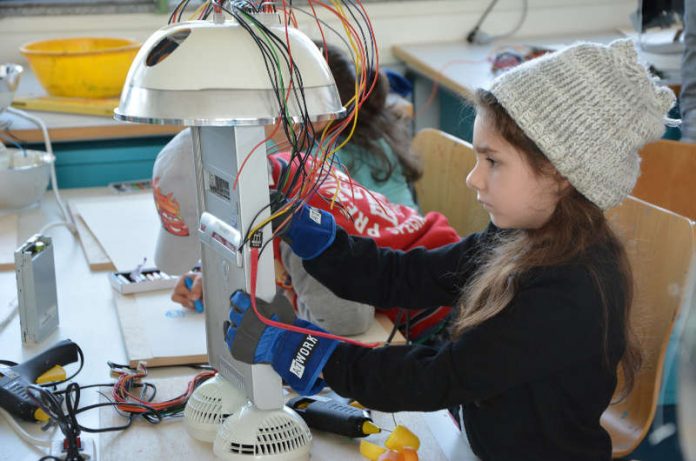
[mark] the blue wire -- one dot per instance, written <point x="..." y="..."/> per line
<point x="15" y="143"/>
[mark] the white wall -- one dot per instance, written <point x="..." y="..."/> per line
<point x="395" y="22"/>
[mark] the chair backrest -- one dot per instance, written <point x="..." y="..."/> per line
<point x="668" y="170"/>
<point x="687" y="369"/>
<point x="447" y="161"/>
<point x="660" y="245"/>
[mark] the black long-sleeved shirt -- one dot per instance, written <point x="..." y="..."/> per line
<point x="532" y="381"/>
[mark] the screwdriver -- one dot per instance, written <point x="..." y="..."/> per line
<point x="334" y="417"/>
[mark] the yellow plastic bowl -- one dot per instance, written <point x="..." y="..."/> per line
<point x="82" y="67"/>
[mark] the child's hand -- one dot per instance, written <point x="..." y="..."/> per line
<point x="183" y="295"/>
<point x="297" y="357"/>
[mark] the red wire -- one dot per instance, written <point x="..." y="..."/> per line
<point x="272" y="323"/>
<point x="124" y="398"/>
<point x="241" y="167"/>
<point x="332" y="135"/>
<point x="321" y="30"/>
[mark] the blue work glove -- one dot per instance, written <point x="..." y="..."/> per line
<point x="309" y="232"/>
<point x="298" y="358"/>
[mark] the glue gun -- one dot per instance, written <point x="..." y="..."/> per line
<point x="15" y="380"/>
<point x="335" y="417"/>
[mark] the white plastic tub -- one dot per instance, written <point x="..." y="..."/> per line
<point x="24" y="177"/>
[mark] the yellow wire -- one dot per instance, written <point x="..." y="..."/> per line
<point x="198" y="11"/>
<point x="355" y="98"/>
<point x="359" y="84"/>
<point x="338" y="187"/>
<point x="281" y="211"/>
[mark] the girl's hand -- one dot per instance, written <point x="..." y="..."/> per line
<point x="183" y="295"/>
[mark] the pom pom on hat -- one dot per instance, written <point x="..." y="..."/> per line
<point x="589" y="108"/>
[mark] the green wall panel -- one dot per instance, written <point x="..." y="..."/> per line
<point x="97" y="163"/>
<point x="456" y="115"/>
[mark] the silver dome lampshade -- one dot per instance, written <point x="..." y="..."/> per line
<point x="202" y="73"/>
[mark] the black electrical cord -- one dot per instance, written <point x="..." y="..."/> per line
<point x="52" y="405"/>
<point x="302" y="149"/>
<point x="471" y="36"/>
<point x="479" y="37"/>
<point x="397" y="323"/>
<point x="79" y="369"/>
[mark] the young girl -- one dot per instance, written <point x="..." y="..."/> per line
<point x="544" y="293"/>
<point x="378" y="155"/>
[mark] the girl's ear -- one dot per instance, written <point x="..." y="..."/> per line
<point x="563" y="184"/>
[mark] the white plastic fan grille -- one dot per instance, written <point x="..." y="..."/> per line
<point x="279" y="434"/>
<point x="205" y="409"/>
<point x="209" y="405"/>
<point x="263" y="435"/>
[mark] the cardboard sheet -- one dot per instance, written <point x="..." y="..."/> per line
<point x="8" y="241"/>
<point x="157" y="330"/>
<point x="152" y="326"/>
<point x="96" y="257"/>
<point x="125" y="226"/>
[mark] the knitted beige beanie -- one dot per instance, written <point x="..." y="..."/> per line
<point x="589" y="108"/>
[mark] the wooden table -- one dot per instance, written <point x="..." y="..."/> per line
<point x="88" y="317"/>
<point x="461" y="68"/>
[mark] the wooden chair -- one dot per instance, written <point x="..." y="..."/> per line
<point x="447" y="161"/>
<point x="660" y="246"/>
<point x="668" y="172"/>
<point x="687" y="370"/>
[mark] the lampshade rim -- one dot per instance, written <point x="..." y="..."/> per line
<point x="223" y="121"/>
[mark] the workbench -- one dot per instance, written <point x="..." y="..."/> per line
<point x="88" y="317"/>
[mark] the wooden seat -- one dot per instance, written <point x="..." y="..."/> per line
<point x="668" y="171"/>
<point x="447" y="161"/>
<point x="660" y="245"/>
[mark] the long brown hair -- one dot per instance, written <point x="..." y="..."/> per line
<point x="575" y="225"/>
<point x="376" y="120"/>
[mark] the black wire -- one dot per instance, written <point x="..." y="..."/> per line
<point x="397" y="323"/>
<point x="325" y="24"/>
<point x="306" y="135"/>
<point x="113" y="365"/>
<point x="172" y="16"/>
<point x="471" y="36"/>
<point x="276" y="55"/>
<point x="82" y="363"/>
<point x="67" y="424"/>
<point x="301" y="172"/>
<point x="181" y="11"/>
<point x="198" y="366"/>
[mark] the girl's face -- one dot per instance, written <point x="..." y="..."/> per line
<point x="506" y="186"/>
